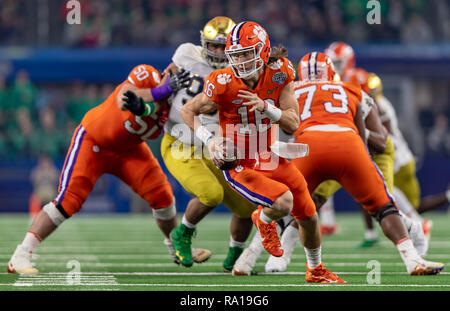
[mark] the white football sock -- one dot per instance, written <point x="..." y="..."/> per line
<point x="371" y="234"/>
<point x="30" y="241"/>
<point x="409" y="254"/>
<point x="313" y="256"/>
<point x="289" y="239"/>
<point x="185" y="222"/>
<point x="234" y="243"/>
<point x="266" y="219"/>
<point x="405" y="206"/>
<point x="326" y="213"/>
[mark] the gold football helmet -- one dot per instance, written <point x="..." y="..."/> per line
<point x="375" y="84"/>
<point x="216" y="32"/>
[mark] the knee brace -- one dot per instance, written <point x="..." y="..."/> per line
<point x="165" y="213"/>
<point x="56" y="213"/>
<point x="384" y="211"/>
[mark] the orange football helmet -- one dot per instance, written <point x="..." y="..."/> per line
<point x="247" y="49"/>
<point x="342" y="56"/>
<point x="359" y="77"/>
<point x="316" y="66"/>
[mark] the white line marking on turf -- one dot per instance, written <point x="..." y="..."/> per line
<point x="208" y="264"/>
<point x="233" y="285"/>
<point x="166" y="255"/>
<point x="109" y="274"/>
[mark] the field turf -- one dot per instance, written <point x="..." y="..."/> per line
<point x="126" y="253"/>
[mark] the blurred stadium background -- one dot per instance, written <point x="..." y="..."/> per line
<point x="51" y="73"/>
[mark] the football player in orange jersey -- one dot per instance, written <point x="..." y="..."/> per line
<point x="331" y="121"/>
<point x="255" y="95"/>
<point x="111" y="140"/>
<point x="343" y="57"/>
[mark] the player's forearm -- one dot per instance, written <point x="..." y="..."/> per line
<point x="375" y="132"/>
<point x="189" y="117"/>
<point x="289" y="121"/>
<point x="140" y="92"/>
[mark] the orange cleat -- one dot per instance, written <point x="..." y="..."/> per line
<point x="321" y="275"/>
<point x="269" y="234"/>
<point x="328" y="230"/>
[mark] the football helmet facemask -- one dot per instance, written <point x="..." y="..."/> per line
<point x="247" y="49"/>
<point x="216" y="32"/>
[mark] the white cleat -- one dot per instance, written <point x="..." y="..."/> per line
<point x="277" y="264"/>
<point x="425" y="267"/>
<point x="245" y="263"/>
<point x="21" y="262"/>
<point x="418" y="238"/>
<point x="199" y="255"/>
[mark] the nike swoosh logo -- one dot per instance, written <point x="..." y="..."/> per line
<point x="271" y="91"/>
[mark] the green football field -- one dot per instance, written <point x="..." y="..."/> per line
<point x="126" y="253"/>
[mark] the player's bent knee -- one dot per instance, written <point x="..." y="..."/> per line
<point x="284" y="203"/>
<point x="165" y="213"/>
<point x="160" y="197"/>
<point x="54" y="213"/>
<point x="384" y="211"/>
<point x="213" y="195"/>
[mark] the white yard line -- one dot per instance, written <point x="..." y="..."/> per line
<point x="231" y="285"/>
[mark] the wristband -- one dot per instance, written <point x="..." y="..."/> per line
<point x="272" y="112"/>
<point x="203" y="134"/>
<point x="161" y="92"/>
<point x="149" y="109"/>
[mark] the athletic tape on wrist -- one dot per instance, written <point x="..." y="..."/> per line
<point x="272" y="112"/>
<point x="203" y="134"/>
<point x="149" y="109"/>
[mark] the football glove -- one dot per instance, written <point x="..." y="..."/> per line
<point x="179" y="80"/>
<point x="134" y="103"/>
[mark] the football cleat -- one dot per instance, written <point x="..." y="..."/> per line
<point x="232" y="256"/>
<point x="425" y="267"/>
<point x="367" y="243"/>
<point x="417" y="236"/>
<point x="21" y="262"/>
<point x="328" y="229"/>
<point x="320" y="274"/>
<point x="181" y="238"/>
<point x="245" y="263"/>
<point x="199" y="255"/>
<point x="277" y="264"/>
<point x="271" y="241"/>
<point x="427" y="225"/>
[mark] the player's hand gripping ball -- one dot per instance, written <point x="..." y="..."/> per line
<point x="225" y="154"/>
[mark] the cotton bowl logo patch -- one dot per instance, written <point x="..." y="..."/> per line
<point x="279" y="77"/>
<point x="224" y="78"/>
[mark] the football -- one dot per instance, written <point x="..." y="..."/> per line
<point x="229" y="159"/>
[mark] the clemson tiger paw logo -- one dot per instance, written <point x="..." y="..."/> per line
<point x="260" y="33"/>
<point x="224" y="78"/>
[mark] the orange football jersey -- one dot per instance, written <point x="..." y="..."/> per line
<point x="251" y="131"/>
<point x="119" y="130"/>
<point x="322" y="103"/>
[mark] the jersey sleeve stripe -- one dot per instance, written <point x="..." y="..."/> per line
<point x="131" y="80"/>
